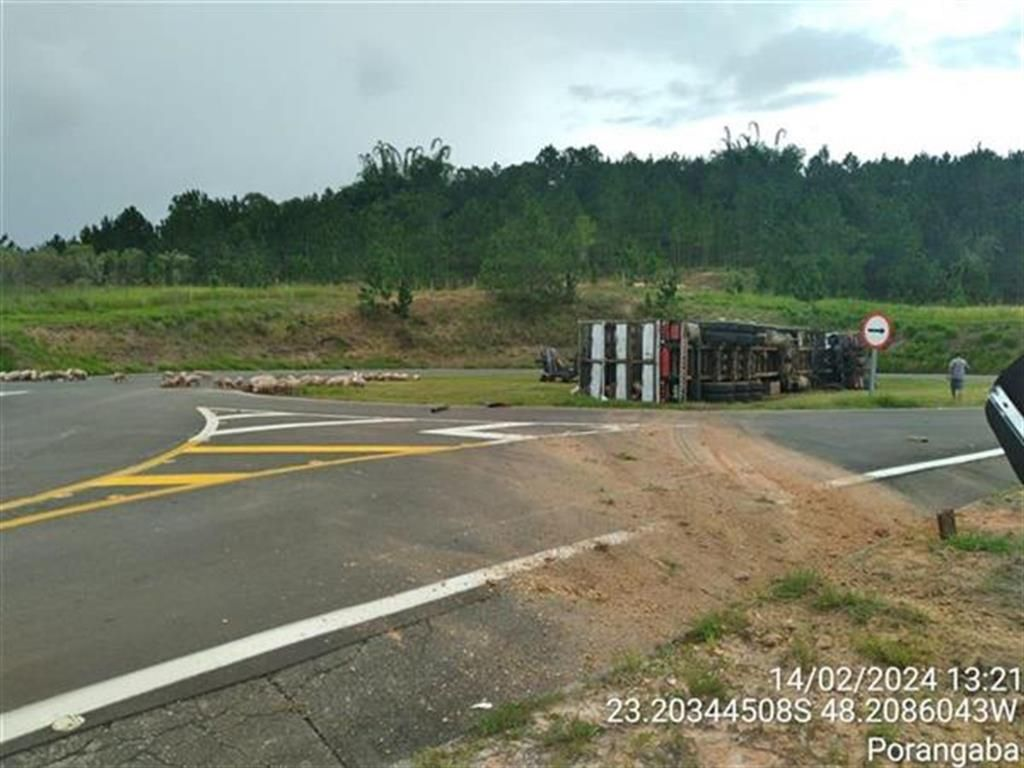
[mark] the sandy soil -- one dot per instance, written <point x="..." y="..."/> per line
<point x="729" y="515"/>
<point x="725" y="510"/>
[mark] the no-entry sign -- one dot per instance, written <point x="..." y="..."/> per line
<point x="876" y="330"/>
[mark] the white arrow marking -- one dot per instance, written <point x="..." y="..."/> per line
<point x="485" y="431"/>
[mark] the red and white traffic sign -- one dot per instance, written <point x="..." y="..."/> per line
<point x="876" y="330"/>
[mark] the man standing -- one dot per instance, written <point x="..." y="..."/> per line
<point x="957" y="373"/>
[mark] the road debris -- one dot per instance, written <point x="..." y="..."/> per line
<point x="66" y="723"/>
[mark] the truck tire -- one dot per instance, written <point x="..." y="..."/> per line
<point x="719" y="391"/>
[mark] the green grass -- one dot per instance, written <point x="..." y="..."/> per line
<point x="142" y="328"/>
<point x="795" y="585"/>
<point x="715" y="625"/>
<point x="519" y="388"/>
<point x="862" y="607"/>
<point x="982" y="541"/>
<point x="503" y="718"/>
<point x="828" y="598"/>
<point x="508" y="388"/>
<point x="704" y="682"/>
<point x="299" y="326"/>
<point x="898" y="392"/>
<point x="443" y="757"/>
<point x="900" y="652"/>
<point x="802" y="652"/>
<point x="629" y="667"/>
<point x="989" y="336"/>
<point x="570" y="737"/>
<point x="511" y="717"/>
<point x="858" y="606"/>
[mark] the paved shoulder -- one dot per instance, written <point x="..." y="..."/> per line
<point x="869" y="440"/>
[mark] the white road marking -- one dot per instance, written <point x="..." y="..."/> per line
<point x="229" y="414"/>
<point x="7" y="393"/>
<point x="605" y="428"/>
<point x="920" y="466"/>
<point x="256" y="415"/>
<point x="209" y="427"/>
<point x="485" y="431"/>
<point x="42" y="714"/>
<point x="307" y="425"/>
<point x="435" y="419"/>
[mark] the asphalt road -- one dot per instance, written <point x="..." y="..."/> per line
<point x="294" y="507"/>
<point x="862" y="441"/>
<point x="153" y="564"/>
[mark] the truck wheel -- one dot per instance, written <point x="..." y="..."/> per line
<point x="719" y="391"/>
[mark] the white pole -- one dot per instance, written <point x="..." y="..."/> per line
<point x="872" y="380"/>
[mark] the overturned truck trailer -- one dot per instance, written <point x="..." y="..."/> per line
<point x="658" y="361"/>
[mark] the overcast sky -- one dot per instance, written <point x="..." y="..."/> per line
<point x="109" y="105"/>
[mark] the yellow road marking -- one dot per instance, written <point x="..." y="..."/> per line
<point x="40" y="517"/>
<point x="192" y="479"/>
<point x="66" y="490"/>
<point x="51" y="514"/>
<point x="313" y="448"/>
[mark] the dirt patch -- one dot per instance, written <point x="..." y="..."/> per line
<point x="753" y="563"/>
<point x="725" y="509"/>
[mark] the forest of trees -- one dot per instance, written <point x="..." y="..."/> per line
<point x="931" y="229"/>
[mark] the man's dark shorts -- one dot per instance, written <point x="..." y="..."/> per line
<point x="956" y="385"/>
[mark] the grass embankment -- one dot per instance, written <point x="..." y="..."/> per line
<point x="144" y="328"/>
<point x="517" y="388"/>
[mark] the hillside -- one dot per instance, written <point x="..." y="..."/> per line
<point x="934" y="228"/>
<point x="303" y="326"/>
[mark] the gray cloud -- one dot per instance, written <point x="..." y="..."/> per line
<point x="1000" y="49"/>
<point x="596" y="93"/>
<point x="688" y="33"/>
<point x="110" y="105"/>
<point x="680" y="90"/>
<point x="625" y="120"/>
<point x="768" y="79"/>
<point x="804" y="55"/>
<point x="377" y="73"/>
<point x="706" y="101"/>
<point x="788" y="100"/>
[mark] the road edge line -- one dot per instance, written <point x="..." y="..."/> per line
<point x="40" y="715"/>
<point x="920" y="466"/>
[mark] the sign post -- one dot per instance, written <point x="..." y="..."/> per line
<point x="875" y="332"/>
